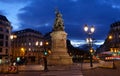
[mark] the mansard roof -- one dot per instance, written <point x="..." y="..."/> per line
<point x="4" y="20"/>
<point x="115" y="24"/>
<point x="27" y="30"/>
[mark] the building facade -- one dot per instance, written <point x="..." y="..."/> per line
<point x="27" y="46"/>
<point x="112" y="42"/>
<point x="5" y="43"/>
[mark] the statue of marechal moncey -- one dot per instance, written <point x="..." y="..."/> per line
<point x="58" y="25"/>
<point x="59" y="54"/>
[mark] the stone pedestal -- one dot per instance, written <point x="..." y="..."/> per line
<point x="59" y="54"/>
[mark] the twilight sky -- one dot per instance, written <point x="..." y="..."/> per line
<point x="40" y="15"/>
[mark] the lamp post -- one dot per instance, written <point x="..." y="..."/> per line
<point x="12" y="37"/>
<point x="39" y="45"/>
<point x="113" y="50"/>
<point x="45" y="53"/>
<point x="89" y="40"/>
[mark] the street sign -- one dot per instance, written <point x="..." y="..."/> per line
<point x="12" y="69"/>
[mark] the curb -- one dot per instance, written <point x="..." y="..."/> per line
<point x="30" y="70"/>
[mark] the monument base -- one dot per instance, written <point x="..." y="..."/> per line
<point x="60" y="59"/>
<point x="59" y="54"/>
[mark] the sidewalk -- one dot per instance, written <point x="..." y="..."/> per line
<point x="69" y="70"/>
<point x="63" y="70"/>
<point x="59" y="70"/>
<point x="86" y="66"/>
<point x="30" y="68"/>
<point x="103" y="71"/>
<point x="76" y="69"/>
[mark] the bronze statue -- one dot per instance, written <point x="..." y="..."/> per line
<point x="59" y="25"/>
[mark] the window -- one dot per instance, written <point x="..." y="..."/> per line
<point x="21" y="44"/>
<point x="29" y="39"/>
<point x="25" y="44"/>
<point x="7" y="30"/>
<point x="1" y="36"/>
<point x="6" y="43"/>
<point x="6" y="37"/>
<point x="0" y="49"/>
<point x="29" y="49"/>
<point x="1" y="43"/>
<point x="6" y="51"/>
<point x="29" y="43"/>
<point x="1" y="29"/>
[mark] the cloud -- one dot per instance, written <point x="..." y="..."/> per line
<point x="13" y="1"/>
<point x="10" y="10"/>
<point x="2" y="12"/>
<point x="77" y="43"/>
<point x="37" y="15"/>
<point x="75" y="14"/>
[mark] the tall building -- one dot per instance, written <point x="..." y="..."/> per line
<point x="5" y="32"/>
<point x="112" y="42"/>
<point x="27" y="45"/>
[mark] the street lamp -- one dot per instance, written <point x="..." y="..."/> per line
<point x="39" y="45"/>
<point x="22" y="51"/>
<point x="89" y="40"/>
<point x="45" y="53"/>
<point x="113" y="50"/>
<point x="12" y="37"/>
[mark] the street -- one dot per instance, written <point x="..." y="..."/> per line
<point x="23" y="74"/>
<point x="76" y="69"/>
<point x="103" y="71"/>
<point x="37" y="70"/>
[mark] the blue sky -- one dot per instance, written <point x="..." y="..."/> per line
<point x="40" y="15"/>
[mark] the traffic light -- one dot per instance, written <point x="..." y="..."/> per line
<point x="45" y="53"/>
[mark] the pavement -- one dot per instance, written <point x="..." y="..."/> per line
<point x="30" y="68"/>
<point x="59" y="70"/>
<point x="64" y="70"/>
<point x="103" y="71"/>
<point x="76" y="69"/>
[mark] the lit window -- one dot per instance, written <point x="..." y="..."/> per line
<point x="29" y="43"/>
<point x="29" y="49"/>
<point x="36" y="43"/>
<point x="41" y="43"/>
<point x="0" y="61"/>
<point x="110" y="37"/>
<point x="119" y="36"/>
